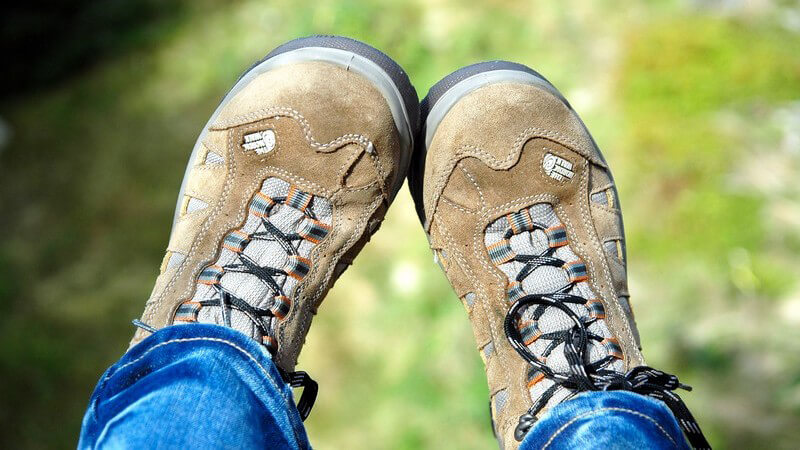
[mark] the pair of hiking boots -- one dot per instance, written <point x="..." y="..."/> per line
<point x="295" y="171"/>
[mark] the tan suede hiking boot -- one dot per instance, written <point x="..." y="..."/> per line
<point x="286" y="183"/>
<point x="522" y="214"/>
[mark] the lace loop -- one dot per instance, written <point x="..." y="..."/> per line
<point x="269" y="248"/>
<point x="582" y="377"/>
<point x="522" y="329"/>
<point x="261" y="317"/>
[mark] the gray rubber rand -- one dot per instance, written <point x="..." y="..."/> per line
<point x="387" y="64"/>
<point x="444" y="94"/>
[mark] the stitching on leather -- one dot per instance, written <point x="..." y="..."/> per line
<point x="617" y="310"/>
<point x="210" y="147"/>
<point x="230" y="176"/>
<point x="333" y="145"/>
<point x="362" y="221"/>
<point x="192" y="192"/>
<point x="155" y="303"/>
<point x="384" y="178"/>
<point x="621" y="318"/>
<point x="597" y="411"/>
<point x="479" y="249"/>
<point x="326" y="280"/>
<point x="452" y="249"/>
<point x="519" y="202"/>
<point x="606" y="208"/>
<point x="351" y="163"/>
<point x="474" y="183"/>
<point x="348" y="163"/>
<point x="208" y="167"/>
<point x="231" y="172"/>
<point x="602" y="188"/>
<point x="363" y="188"/>
<point x="478" y="289"/>
<point x="193" y="213"/>
<point x="526" y="135"/>
<point x="319" y="248"/>
<point x="457" y="206"/>
<point x="269" y="113"/>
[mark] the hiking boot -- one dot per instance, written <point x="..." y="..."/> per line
<point x="523" y="216"/>
<point x="286" y="183"/>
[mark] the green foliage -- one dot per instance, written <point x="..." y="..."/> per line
<point x="696" y="110"/>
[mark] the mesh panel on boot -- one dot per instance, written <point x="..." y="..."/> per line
<point x="542" y="232"/>
<point x="306" y="222"/>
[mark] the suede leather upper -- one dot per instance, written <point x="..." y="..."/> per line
<point x="335" y="138"/>
<point x="484" y="161"/>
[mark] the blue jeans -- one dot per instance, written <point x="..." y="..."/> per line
<point x="206" y="386"/>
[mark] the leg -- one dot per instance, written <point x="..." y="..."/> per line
<point x="195" y="386"/>
<point x="607" y="420"/>
<point x="286" y="183"/>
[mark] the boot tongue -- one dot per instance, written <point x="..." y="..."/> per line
<point x="238" y="321"/>
<point x="261" y="263"/>
<point x="547" y="280"/>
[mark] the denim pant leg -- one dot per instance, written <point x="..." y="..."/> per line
<point x="607" y="420"/>
<point x="193" y="386"/>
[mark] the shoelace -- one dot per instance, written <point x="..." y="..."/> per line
<point x="585" y="376"/>
<point x="261" y="317"/>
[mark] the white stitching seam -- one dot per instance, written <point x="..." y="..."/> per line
<point x="596" y="411"/>
<point x="494" y="334"/>
<point x="480" y="253"/>
<point x="618" y="315"/>
<point x="155" y="301"/>
<point x="561" y="213"/>
<point x="457" y="206"/>
<point x="511" y="158"/>
<point x="325" y="282"/>
<point x="472" y="179"/>
<point x="490" y="213"/>
<point x="333" y="145"/>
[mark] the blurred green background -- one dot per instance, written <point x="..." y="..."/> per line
<point x="696" y="105"/>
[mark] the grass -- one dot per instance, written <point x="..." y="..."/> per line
<point x="696" y="109"/>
